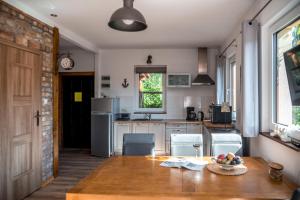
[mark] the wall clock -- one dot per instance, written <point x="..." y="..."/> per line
<point x="66" y="62"/>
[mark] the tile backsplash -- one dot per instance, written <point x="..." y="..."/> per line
<point x="176" y="106"/>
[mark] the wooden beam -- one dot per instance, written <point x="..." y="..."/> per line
<point x="56" y="120"/>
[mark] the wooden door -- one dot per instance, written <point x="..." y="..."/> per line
<point x="77" y="93"/>
<point x="21" y="104"/>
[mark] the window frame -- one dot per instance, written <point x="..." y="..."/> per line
<point x="137" y="109"/>
<point x="231" y="60"/>
<point x="278" y="26"/>
<point x="228" y="82"/>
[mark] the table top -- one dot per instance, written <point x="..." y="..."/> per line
<point x="139" y="177"/>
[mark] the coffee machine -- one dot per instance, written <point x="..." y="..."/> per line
<point x="191" y="114"/>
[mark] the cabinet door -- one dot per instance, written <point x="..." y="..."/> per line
<point x="119" y="130"/>
<point x="194" y="128"/>
<point x="140" y="127"/>
<point x="159" y="131"/>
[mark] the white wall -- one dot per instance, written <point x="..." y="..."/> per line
<point x="262" y="146"/>
<point x="119" y="64"/>
<point x="84" y="60"/>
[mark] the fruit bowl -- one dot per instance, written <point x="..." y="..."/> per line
<point x="228" y="162"/>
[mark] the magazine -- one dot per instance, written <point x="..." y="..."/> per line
<point x="191" y="164"/>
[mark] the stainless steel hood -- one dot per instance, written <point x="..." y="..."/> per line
<point x="202" y="78"/>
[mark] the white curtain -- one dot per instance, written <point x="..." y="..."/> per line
<point x="250" y="81"/>
<point x="220" y="79"/>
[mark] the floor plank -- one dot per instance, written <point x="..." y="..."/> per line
<point x="73" y="166"/>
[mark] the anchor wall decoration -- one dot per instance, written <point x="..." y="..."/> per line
<point x="125" y="83"/>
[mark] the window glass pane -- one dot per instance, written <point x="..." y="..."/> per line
<point x="151" y="90"/>
<point x="233" y="86"/>
<point x="149" y="100"/>
<point x="285" y="40"/>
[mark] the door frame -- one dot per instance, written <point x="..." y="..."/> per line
<point x="61" y="76"/>
<point x="58" y="100"/>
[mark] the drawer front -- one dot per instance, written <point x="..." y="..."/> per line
<point x="174" y="131"/>
<point x="194" y="128"/>
<point x="176" y="126"/>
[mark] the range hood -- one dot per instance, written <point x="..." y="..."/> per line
<point x="202" y="77"/>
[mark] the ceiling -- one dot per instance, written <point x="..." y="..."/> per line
<point x="171" y="23"/>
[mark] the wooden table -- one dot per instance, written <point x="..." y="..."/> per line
<point x="127" y="178"/>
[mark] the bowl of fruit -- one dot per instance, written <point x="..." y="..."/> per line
<point x="229" y="161"/>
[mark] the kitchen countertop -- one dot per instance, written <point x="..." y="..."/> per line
<point x="207" y="123"/>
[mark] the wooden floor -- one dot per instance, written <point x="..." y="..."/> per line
<point x="73" y="166"/>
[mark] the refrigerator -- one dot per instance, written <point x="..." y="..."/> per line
<point x="103" y="113"/>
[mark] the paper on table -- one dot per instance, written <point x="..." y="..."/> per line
<point x="190" y="164"/>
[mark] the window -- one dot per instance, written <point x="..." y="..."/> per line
<point x="150" y="85"/>
<point x="232" y="69"/>
<point x="283" y="40"/>
<point x="231" y="84"/>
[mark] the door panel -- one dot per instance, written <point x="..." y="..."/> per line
<point x="3" y="123"/>
<point x="77" y="112"/>
<point x="23" y="158"/>
<point x="159" y="131"/>
<point x="119" y="130"/>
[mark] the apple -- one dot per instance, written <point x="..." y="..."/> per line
<point x="221" y="157"/>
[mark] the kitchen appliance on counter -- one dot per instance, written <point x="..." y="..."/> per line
<point x="201" y="115"/>
<point x="217" y="116"/>
<point x="191" y="114"/>
<point x="123" y="116"/>
<point x="103" y="114"/>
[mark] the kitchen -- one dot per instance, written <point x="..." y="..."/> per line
<point x="160" y="99"/>
<point x="178" y="97"/>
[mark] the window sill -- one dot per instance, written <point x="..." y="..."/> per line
<point x="287" y="144"/>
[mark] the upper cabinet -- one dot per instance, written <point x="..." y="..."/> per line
<point x="182" y="80"/>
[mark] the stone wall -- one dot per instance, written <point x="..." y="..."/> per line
<point x="22" y="29"/>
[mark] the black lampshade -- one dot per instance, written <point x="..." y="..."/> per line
<point x="127" y="18"/>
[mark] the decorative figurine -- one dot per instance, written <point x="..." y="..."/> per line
<point x="149" y="59"/>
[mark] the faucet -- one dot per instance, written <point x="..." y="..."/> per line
<point x="148" y="115"/>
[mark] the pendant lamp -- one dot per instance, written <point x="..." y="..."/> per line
<point x="127" y="18"/>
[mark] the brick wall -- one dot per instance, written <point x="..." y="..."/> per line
<point x="20" y="28"/>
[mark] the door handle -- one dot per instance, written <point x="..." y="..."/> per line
<point x="37" y="116"/>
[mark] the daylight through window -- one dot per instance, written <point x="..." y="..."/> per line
<point x="285" y="39"/>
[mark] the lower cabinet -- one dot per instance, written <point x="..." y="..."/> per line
<point x="140" y="127"/>
<point x="173" y="128"/>
<point x="194" y="128"/>
<point x="120" y="128"/>
<point x="162" y="132"/>
<point x="159" y="131"/>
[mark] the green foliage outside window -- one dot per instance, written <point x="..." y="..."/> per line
<point x="296" y="115"/>
<point x="151" y="90"/>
